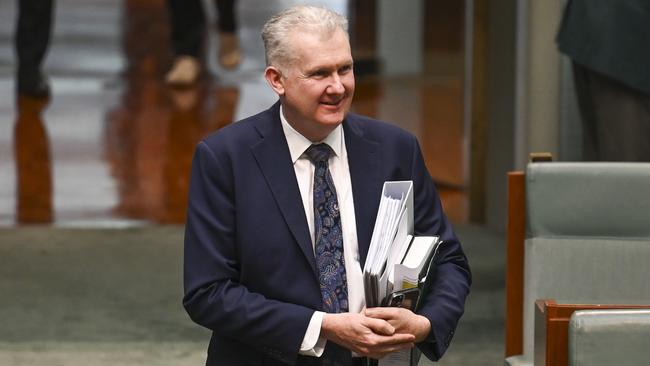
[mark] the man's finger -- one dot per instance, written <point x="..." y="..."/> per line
<point x="379" y="326"/>
<point x="400" y="338"/>
<point x="382" y="312"/>
<point x="397" y="339"/>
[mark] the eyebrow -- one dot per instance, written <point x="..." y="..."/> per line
<point x="319" y="69"/>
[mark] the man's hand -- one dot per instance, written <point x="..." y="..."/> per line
<point x="403" y="320"/>
<point x="370" y="337"/>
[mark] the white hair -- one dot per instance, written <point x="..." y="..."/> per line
<point x="277" y="31"/>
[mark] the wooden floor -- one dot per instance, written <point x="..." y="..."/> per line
<point x="113" y="145"/>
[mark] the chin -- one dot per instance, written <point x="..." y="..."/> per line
<point x="332" y="120"/>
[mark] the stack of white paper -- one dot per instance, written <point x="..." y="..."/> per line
<point x="390" y="240"/>
<point x="396" y="259"/>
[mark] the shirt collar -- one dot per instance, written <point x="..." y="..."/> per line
<point x="299" y="143"/>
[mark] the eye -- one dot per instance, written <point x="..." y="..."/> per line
<point x="345" y="69"/>
<point x="319" y="74"/>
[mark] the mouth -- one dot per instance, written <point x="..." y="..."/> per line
<point x="333" y="103"/>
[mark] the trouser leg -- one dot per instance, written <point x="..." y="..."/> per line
<point x="32" y="36"/>
<point x="187" y="26"/>
<point x="616" y="118"/>
<point x="586" y="106"/>
<point x="226" y="20"/>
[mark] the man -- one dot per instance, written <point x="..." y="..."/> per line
<point x="281" y="211"/>
<point x="607" y="42"/>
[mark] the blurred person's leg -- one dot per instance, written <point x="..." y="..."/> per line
<point x="616" y="118"/>
<point x="587" y="114"/>
<point x="229" y="54"/>
<point x="31" y="41"/>
<point x="187" y="27"/>
<point x="187" y="34"/>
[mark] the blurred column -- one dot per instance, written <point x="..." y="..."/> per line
<point x="400" y="36"/>
<point x="363" y="36"/>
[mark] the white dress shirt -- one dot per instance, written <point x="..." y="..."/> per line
<point x="313" y="344"/>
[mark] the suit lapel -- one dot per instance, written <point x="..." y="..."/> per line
<point x="272" y="155"/>
<point x="364" y="162"/>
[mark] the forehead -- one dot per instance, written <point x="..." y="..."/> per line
<point x="313" y="50"/>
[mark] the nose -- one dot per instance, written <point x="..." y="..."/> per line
<point x="336" y="85"/>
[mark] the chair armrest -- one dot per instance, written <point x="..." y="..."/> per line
<point x="609" y="337"/>
<point x="518" y="360"/>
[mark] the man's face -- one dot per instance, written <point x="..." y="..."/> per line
<point x="318" y="86"/>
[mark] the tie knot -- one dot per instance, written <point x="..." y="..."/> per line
<point x="319" y="153"/>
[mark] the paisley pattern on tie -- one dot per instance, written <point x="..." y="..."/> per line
<point x="328" y="234"/>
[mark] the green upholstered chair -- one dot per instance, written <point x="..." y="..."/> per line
<point x="587" y="241"/>
<point x="609" y="337"/>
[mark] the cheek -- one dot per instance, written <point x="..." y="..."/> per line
<point x="309" y="94"/>
<point x="348" y="81"/>
<point x="350" y="86"/>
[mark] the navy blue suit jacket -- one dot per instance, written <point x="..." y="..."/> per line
<point x="250" y="272"/>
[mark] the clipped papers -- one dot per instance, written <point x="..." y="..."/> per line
<point x="397" y="260"/>
<point x="392" y="227"/>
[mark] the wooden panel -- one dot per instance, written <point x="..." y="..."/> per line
<point x="539" y="356"/>
<point x="444" y="31"/>
<point x="515" y="235"/>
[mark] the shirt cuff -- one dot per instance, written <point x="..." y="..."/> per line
<point x="312" y="343"/>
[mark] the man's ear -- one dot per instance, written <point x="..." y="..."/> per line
<point x="274" y="78"/>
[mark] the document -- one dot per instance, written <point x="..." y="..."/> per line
<point x="396" y="258"/>
<point x="398" y="262"/>
<point x="420" y="253"/>
<point x="390" y="238"/>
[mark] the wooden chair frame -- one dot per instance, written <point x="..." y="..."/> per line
<point x="515" y="237"/>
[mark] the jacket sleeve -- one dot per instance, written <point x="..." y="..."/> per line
<point x="214" y="296"/>
<point x="446" y="291"/>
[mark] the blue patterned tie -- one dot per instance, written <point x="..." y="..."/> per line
<point x="329" y="237"/>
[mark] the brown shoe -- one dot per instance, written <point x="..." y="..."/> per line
<point x="184" y="72"/>
<point x="229" y="54"/>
